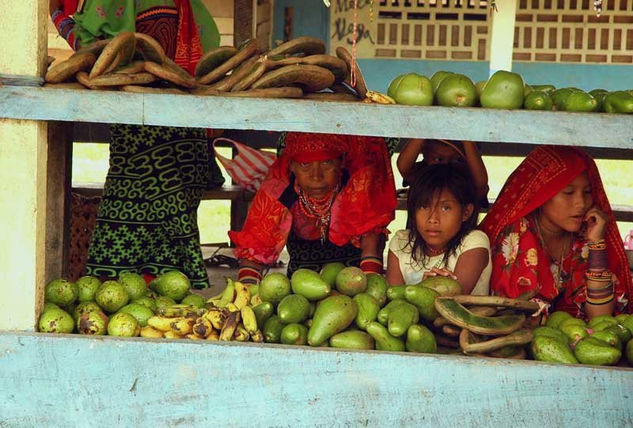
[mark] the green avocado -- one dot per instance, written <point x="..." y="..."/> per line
<point x="272" y="329"/>
<point x="551" y="350"/>
<point x="383" y="315"/>
<point x="559" y="96"/>
<point x="580" y="101"/>
<point x="553" y="333"/>
<point x="368" y="309"/>
<point x="456" y="90"/>
<point x="420" y="339"/>
<point x="593" y="322"/>
<point x="594" y="351"/>
<point x="333" y="315"/>
<point x="629" y="351"/>
<point x="294" y="334"/>
<point x="443" y="285"/>
<point x="352" y="339"/>
<point x="503" y="90"/>
<point x="618" y="102"/>
<point x="438" y="77"/>
<point x="401" y="318"/>
<point x="396" y="292"/>
<point x="413" y="89"/>
<point x="263" y="311"/>
<point x="556" y="318"/>
<point x="544" y="88"/>
<point x="384" y="341"/>
<point x="377" y="288"/>
<point x="294" y="308"/>
<point x="423" y="298"/>
<point x="609" y="336"/>
<point x="309" y="284"/>
<point x="329" y="271"/>
<point x="538" y="100"/>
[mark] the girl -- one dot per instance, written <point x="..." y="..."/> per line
<point x="439" y="239"/>
<point x="554" y="236"/>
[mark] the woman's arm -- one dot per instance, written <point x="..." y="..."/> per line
<point x="250" y="272"/>
<point x="469" y="267"/>
<point x="408" y="156"/>
<point x="372" y="245"/>
<point x="477" y="169"/>
<point x="600" y="290"/>
<point x="394" y="275"/>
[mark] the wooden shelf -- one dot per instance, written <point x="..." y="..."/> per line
<point x="478" y="124"/>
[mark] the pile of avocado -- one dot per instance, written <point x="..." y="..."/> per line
<point x="504" y="90"/>
<point x="568" y="340"/>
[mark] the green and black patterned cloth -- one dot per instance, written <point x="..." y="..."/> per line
<point x="147" y="221"/>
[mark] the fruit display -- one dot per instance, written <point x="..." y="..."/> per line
<point x="339" y="307"/>
<point x="135" y="62"/>
<point x="503" y="90"/>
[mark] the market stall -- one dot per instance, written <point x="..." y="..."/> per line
<point x="77" y="380"/>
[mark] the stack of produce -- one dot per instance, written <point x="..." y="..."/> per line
<point x="135" y="62"/>
<point x="504" y="90"/>
<point x="568" y="340"/>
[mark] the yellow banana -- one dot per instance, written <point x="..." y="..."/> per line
<point x="172" y="335"/>
<point x="215" y="335"/>
<point x="194" y="337"/>
<point x="240" y="334"/>
<point x="242" y="295"/>
<point x="257" y="336"/>
<point x="160" y="322"/>
<point x="248" y="319"/>
<point x="182" y="325"/>
<point x="180" y="310"/>
<point x="216" y="318"/>
<point x="149" y="331"/>
<point x="228" y="294"/>
<point x="229" y="326"/>
<point x="379" y="98"/>
<point x="232" y="307"/>
<point x="256" y="300"/>
<point x="202" y="327"/>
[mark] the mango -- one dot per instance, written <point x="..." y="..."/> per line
<point x="332" y="316"/>
<point x="134" y="284"/>
<point x="368" y="309"/>
<point x="503" y="90"/>
<point x="123" y="325"/>
<point x="174" y="284"/>
<point x="594" y="351"/>
<point x="309" y="284"/>
<point x="352" y="339"/>
<point x="420" y="339"/>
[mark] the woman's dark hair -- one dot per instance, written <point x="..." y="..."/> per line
<point x="429" y="182"/>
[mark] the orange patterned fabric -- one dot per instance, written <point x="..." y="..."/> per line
<point x="188" y="44"/>
<point x="366" y="203"/>
<point x="520" y="264"/>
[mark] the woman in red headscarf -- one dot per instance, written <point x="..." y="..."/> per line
<point x="553" y="235"/>
<point x="328" y="198"/>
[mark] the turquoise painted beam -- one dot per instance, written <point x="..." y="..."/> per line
<point x="53" y="380"/>
<point x="581" y="129"/>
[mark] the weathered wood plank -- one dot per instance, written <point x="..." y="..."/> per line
<point x="580" y="129"/>
<point x="142" y="382"/>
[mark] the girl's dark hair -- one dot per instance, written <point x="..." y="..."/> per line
<point x="429" y="182"/>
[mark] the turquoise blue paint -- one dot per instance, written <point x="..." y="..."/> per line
<point x="583" y="76"/>
<point x="310" y="18"/>
<point x="478" y="124"/>
<point x="63" y="381"/>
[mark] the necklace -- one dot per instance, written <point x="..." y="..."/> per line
<point x="319" y="209"/>
<point x="558" y="263"/>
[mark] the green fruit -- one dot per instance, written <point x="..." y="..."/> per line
<point x="194" y="300"/>
<point x="573" y="331"/>
<point x="609" y="336"/>
<point x="134" y="284"/>
<point x="621" y="317"/>
<point x="559" y="96"/>
<point x="503" y="90"/>
<point x="538" y="100"/>
<point x="293" y="308"/>
<point x="309" y="284"/>
<point x="294" y="334"/>
<point x="368" y="309"/>
<point x="580" y="101"/>
<point x="49" y="305"/>
<point x="111" y="296"/>
<point x="87" y="286"/>
<point x="618" y="102"/>
<point x="351" y="281"/>
<point x="377" y="287"/>
<point x="438" y="77"/>
<point x="551" y="350"/>
<point x="61" y="292"/>
<point x="163" y="302"/>
<point x="396" y="292"/>
<point x="84" y="308"/>
<point x="352" y="339"/>
<point x="628" y="350"/>
<point x="544" y="88"/>
<point x="93" y="323"/>
<point x="383" y="315"/>
<point x="56" y="321"/>
<point x="553" y="333"/>
<point x="141" y="312"/>
<point x="443" y="285"/>
<point x="274" y="287"/>
<point x="272" y="329"/>
<point x="572" y="321"/>
<point x="413" y="89"/>
<point x="420" y="339"/>
<point x="609" y="319"/>
<point x="173" y="284"/>
<point x="392" y="87"/>
<point x="401" y="318"/>
<point x="628" y="323"/>
<point x="123" y="325"/>
<point x="555" y="318"/>
<point x="479" y="87"/>
<point x="456" y="90"/>
<point x="424" y="300"/>
<point x="623" y="333"/>
<point x="334" y="314"/>
<point x="597" y="352"/>
<point x="329" y="271"/>
<point x="526" y="90"/>
<point x="263" y="311"/>
<point x="384" y="341"/>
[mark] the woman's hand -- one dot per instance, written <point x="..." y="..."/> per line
<point x="439" y="272"/>
<point x="596" y="224"/>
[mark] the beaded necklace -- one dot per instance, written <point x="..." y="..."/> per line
<point x="319" y="209"/>
<point x="558" y="280"/>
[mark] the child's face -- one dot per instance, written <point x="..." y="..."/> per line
<point x="567" y="209"/>
<point x="440" y="222"/>
<point x="435" y="153"/>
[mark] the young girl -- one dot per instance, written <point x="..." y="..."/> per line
<point x="440" y="238"/>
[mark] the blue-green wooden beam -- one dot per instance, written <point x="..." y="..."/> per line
<point x="72" y="380"/>
<point x="581" y="129"/>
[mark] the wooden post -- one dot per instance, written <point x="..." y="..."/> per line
<point x="502" y="36"/>
<point x="23" y="153"/>
<point x="242" y="21"/>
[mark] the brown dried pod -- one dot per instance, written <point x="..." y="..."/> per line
<point x="119" y="51"/>
<point x="304" y="44"/>
<point x="360" y="86"/>
<point x="68" y="68"/>
<point x="171" y="73"/>
<point x="212" y="59"/>
<point x="242" y="55"/>
<point x="310" y="77"/>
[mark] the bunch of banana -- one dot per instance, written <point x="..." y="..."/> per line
<point x="169" y="327"/>
<point x="378" y="98"/>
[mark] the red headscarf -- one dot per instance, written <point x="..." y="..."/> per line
<point x="525" y="267"/>
<point x="367" y="203"/>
